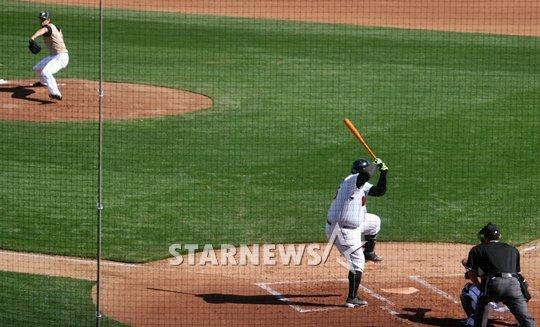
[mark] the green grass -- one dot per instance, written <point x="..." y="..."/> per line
<point x="30" y="300"/>
<point x="455" y="116"/>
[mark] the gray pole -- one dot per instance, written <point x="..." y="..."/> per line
<point x="100" y="168"/>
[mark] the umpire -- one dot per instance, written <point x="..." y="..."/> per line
<point x="497" y="265"/>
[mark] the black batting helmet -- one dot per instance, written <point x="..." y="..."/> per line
<point x="359" y="166"/>
<point x="489" y="232"/>
<point x="44" y="15"/>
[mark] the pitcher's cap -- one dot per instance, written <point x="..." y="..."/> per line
<point x="44" y="15"/>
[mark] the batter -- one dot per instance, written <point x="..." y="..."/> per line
<point x="58" y="58"/>
<point x="348" y="214"/>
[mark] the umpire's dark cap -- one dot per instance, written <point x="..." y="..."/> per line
<point x="490" y="232"/>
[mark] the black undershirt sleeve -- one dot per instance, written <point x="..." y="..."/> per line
<point x="49" y="31"/>
<point x="471" y="264"/>
<point x="380" y="188"/>
<point x="361" y="179"/>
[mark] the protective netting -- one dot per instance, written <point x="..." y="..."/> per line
<point x="218" y="145"/>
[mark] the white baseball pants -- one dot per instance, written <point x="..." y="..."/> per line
<point x="349" y="241"/>
<point x="49" y="66"/>
<point x="371" y="224"/>
<point x="349" y="244"/>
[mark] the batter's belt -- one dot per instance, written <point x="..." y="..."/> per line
<point x="342" y="226"/>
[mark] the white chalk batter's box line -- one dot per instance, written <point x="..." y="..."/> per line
<point x="434" y="288"/>
<point x="266" y="286"/>
<point x="388" y="307"/>
<point x="438" y="291"/>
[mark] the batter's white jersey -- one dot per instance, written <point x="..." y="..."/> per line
<point x="349" y="205"/>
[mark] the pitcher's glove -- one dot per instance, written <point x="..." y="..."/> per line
<point x="34" y="47"/>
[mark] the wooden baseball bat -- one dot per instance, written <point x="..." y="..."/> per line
<point x="359" y="137"/>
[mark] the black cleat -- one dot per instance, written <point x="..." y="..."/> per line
<point x="55" y="97"/>
<point x="38" y="84"/>
<point x="356" y="302"/>
<point x="371" y="256"/>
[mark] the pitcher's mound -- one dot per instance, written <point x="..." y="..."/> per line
<point x="19" y="100"/>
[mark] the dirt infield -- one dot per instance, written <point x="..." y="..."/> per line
<point x="418" y="284"/>
<point x="519" y="17"/>
<point x="20" y="101"/>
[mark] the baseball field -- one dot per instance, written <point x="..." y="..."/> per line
<point x="223" y="125"/>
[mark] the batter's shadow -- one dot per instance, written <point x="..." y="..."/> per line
<point x="418" y="315"/>
<point x="220" y="298"/>
<point x="22" y="92"/>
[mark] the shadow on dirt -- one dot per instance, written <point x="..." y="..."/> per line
<point x="266" y="299"/>
<point x="22" y="92"/>
<point x="285" y="299"/>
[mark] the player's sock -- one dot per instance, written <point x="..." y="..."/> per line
<point x="355" y="278"/>
<point x="369" y="246"/>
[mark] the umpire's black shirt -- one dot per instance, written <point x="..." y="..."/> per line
<point x="493" y="257"/>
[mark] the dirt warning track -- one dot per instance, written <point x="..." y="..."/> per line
<point x="519" y="17"/>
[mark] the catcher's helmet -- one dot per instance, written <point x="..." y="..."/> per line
<point x="489" y="232"/>
<point x="44" y="15"/>
<point x="359" y="166"/>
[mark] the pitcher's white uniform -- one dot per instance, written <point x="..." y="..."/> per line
<point x="348" y="213"/>
<point x="58" y="59"/>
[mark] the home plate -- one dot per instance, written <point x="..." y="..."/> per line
<point x="400" y="290"/>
